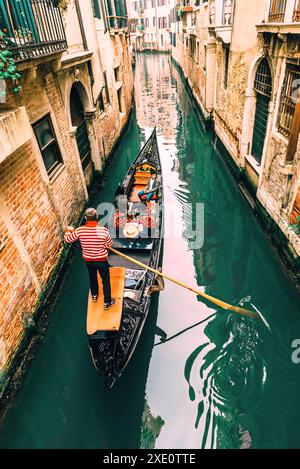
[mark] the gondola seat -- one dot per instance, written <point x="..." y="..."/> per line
<point x="154" y="197"/>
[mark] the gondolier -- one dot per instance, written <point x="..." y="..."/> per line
<point x="94" y="240"/>
<point x="138" y="231"/>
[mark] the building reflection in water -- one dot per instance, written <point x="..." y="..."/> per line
<point x="155" y="95"/>
<point x="151" y="428"/>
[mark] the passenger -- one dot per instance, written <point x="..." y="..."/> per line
<point x="94" y="240"/>
<point x="151" y="187"/>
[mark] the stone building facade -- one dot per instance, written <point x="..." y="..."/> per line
<point x="75" y="99"/>
<point x="150" y="24"/>
<point x="243" y="67"/>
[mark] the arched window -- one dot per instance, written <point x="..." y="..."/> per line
<point x="263" y="88"/>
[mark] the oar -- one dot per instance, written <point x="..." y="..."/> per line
<point x="220" y="303"/>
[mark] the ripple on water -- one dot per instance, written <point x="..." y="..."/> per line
<point x="226" y="378"/>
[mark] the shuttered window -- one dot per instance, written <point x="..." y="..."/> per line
<point x="49" y="148"/>
<point x="288" y="99"/>
<point x="96" y="8"/>
<point x="263" y="88"/>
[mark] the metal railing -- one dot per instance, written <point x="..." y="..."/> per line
<point x="296" y="14"/>
<point x="33" y="28"/>
<point x="117" y="22"/>
<point x="277" y="11"/>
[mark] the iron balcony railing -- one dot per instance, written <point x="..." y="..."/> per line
<point x="296" y="15"/>
<point x="33" y="28"/>
<point x="277" y="11"/>
<point x="117" y="22"/>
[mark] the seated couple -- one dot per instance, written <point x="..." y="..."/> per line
<point x="151" y="187"/>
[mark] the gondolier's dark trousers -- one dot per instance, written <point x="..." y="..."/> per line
<point x="103" y="268"/>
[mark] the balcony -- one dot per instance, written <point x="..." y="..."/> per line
<point x="277" y="11"/>
<point x="34" y="28"/>
<point x="140" y="28"/>
<point x="283" y="18"/>
<point x="185" y="7"/>
<point x="117" y="24"/>
<point x="296" y="13"/>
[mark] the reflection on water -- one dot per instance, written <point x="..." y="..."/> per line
<point x="151" y="428"/>
<point x="215" y="378"/>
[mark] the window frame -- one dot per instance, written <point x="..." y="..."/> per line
<point x="286" y="101"/>
<point x="106" y="88"/>
<point x="96" y="9"/>
<point x="54" y="141"/>
<point x="101" y="101"/>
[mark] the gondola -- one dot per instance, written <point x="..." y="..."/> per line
<point x="136" y="228"/>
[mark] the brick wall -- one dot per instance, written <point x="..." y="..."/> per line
<point x="33" y="212"/>
<point x="34" y="209"/>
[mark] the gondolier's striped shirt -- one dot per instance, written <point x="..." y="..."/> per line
<point x="94" y="240"/>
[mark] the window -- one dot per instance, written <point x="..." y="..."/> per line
<point x="288" y="99"/>
<point x="154" y="21"/>
<point x="263" y="88"/>
<point x="296" y="14"/>
<point x="147" y="22"/>
<point x="101" y="101"/>
<point x="48" y="144"/>
<point x="120" y="99"/>
<point x="152" y="3"/>
<point x="226" y="66"/>
<point x="117" y="73"/>
<point x="263" y="79"/>
<point x="163" y="22"/>
<point x="106" y="89"/>
<point x="96" y="8"/>
<point x="197" y="52"/>
<point x="277" y="10"/>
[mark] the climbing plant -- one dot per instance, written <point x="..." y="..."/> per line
<point x="296" y="226"/>
<point x="62" y="4"/>
<point x="8" y="68"/>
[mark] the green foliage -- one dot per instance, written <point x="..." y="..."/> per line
<point x="8" y="68"/>
<point x="62" y="4"/>
<point x="296" y="227"/>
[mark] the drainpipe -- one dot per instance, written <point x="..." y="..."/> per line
<point x="78" y="11"/>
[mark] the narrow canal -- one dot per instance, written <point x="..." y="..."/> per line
<point x="200" y="377"/>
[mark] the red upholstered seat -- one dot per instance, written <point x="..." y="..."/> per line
<point x="154" y="197"/>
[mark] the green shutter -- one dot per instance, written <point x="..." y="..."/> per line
<point x="96" y="8"/>
<point x="260" y="126"/>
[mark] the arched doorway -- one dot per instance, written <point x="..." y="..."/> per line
<point x="78" y="121"/>
<point x="263" y="88"/>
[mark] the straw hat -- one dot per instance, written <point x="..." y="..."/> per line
<point x="131" y="230"/>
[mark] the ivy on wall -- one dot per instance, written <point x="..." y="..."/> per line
<point x="8" y="68"/>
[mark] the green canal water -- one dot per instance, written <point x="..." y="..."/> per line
<point x="200" y="376"/>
